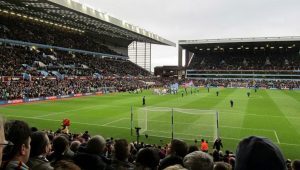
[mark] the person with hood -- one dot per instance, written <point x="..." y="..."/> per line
<point x="258" y="153"/>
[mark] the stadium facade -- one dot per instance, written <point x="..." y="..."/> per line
<point x="274" y="58"/>
<point x="130" y="41"/>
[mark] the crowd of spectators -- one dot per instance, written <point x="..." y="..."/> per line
<point x="25" y="148"/>
<point x="287" y="60"/>
<point x="22" y="29"/>
<point x="16" y="60"/>
<point x="77" y="73"/>
<point x="231" y="83"/>
<point x="21" y="89"/>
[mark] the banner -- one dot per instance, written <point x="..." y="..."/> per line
<point x="51" y="98"/>
<point x="34" y="99"/>
<point x="78" y="95"/>
<point x="88" y="94"/>
<point x="15" y="101"/>
<point x="48" y="98"/>
<point x="64" y="96"/>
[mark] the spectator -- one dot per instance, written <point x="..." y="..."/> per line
<point x="175" y="167"/>
<point x="61" y="150"/>
<point x="216" y="156"/>
<point x="175" y="153"/>
<point x="40" y="147"/>
<point x="228" y="155"/>
<point x="147" y="158"/>
<point x="86" y="136"/>
<point x="75" y="145"/>
<point x="259" y="154"/>
<point x="218" y="144"/>
<point x="66" y="165"/>
<point x="121" y="154"/>
<point x="91" y="158"/>
<point x="232" y="162"/>
<point x="3" y="142"/>
<point x="296" y="165"/>
<point x="204" y="146"/>
<point x="288" y="163"/>
<point x="193" y="148"/>
<point x="222" y="166"/>
<point x="17" y="132"/>
<point x="198" y="160"/>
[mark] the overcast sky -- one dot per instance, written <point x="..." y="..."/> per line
<point x="204" y="19"/>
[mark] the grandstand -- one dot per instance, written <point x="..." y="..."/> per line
<point x="57" y="49"/>
<point x="261" y="58"/>
<point x="101" y="34"/>
<point x="66" y="40"/>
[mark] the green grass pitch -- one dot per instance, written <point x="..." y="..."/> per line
<point x="271" y="113"/>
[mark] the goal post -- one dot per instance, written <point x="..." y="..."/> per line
<point x="178" y="123"/>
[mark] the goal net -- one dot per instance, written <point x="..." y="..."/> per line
<point x="164" y="122"/>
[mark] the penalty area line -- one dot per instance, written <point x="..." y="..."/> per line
<point x="114" y="121"/>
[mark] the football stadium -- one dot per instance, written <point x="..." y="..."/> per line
<point x="77" y="91"/>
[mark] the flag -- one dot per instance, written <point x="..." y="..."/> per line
<point x="190" y="84"/>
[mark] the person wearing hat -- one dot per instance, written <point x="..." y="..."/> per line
<point x="258" y="153"/>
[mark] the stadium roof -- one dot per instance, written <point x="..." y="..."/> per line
<point x="79" y="17"/>
<point x="239" y="43"/>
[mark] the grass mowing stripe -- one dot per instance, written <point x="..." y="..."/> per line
<point x="262" y="114"/>
<point x="283" y="106"/>
<point x="119" y="127"/>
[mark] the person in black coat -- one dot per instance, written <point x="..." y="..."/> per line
<point x="218" y="144"/>
<point x="91" y="156"/>
<point x="176" y="151"/>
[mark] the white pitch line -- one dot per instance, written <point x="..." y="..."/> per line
<point x="290" y="144"/>
<point x="57" y="113"/>
<point x="113" y="121"/>
<point x="276" y="137"/>
<point x="17" y="109"/>
<point x="233" y="127"/>
<point x="56" y="120"/>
